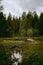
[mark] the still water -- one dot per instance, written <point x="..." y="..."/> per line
<point x="16" y="57"/>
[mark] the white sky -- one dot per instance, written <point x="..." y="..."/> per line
<point x="16" y="7"/>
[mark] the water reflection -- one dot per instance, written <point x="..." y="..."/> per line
<point x="16" y="57"/>
<point x="15" y="63"/>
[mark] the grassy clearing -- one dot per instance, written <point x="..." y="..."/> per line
<point x="32" y="51"/>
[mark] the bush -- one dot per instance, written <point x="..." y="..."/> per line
<point x="30" y="32"/>
<point x="35" y="32"/>
<point x="23" y="32"/>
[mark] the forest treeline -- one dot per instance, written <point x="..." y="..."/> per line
<point x="29" y="24"/>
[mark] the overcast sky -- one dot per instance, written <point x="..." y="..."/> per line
<point x="16" y="7"/>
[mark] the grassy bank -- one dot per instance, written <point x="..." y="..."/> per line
<point x="32" y="51"/>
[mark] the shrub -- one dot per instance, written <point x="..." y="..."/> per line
<point x="35" y="32"/>
<point x="30" y="32"/>
<point x="23" y="32"/>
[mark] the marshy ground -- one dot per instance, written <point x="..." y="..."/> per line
<point x="32" y="51"/>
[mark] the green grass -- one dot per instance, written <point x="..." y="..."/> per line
<point x="32" y="51"/>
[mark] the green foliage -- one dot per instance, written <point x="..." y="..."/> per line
<point x="35" y="32"/>
<point x="35" y="22"/>
<point x="29" y="20"/>
<point x="34" y="58"/>
<point x="23" y="24"/>
<point x="27" y="25"/>
<point x="41" y="24"/>
<point x="2" y="25"/>
<point x="30" y="32"/>
<point x="23" y="32"/>
<point x="4" y="59"/>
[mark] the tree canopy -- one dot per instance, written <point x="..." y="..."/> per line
<point x="27" y="25"/>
